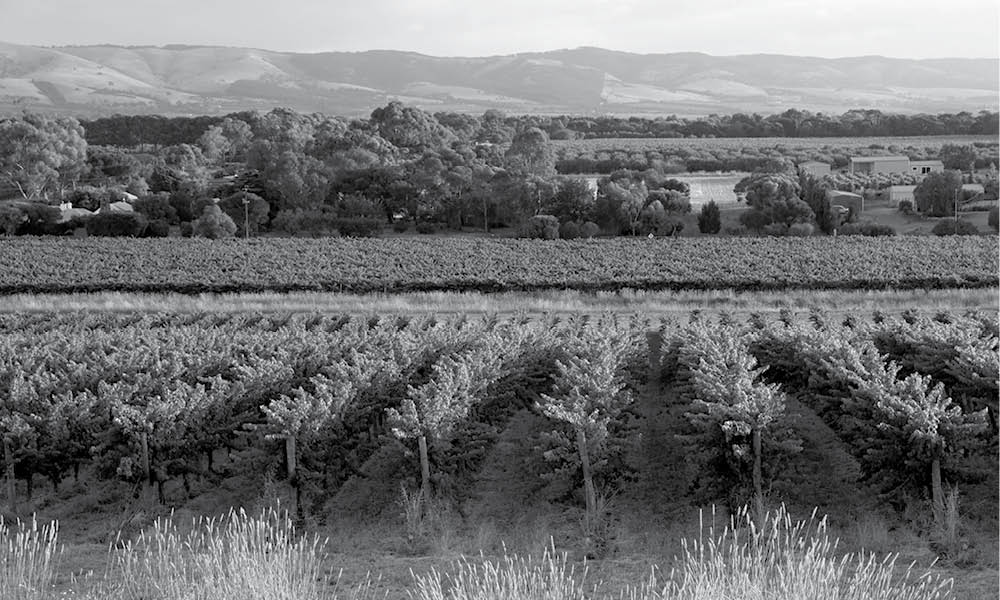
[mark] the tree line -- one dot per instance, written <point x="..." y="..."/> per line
<point x="159" y="130"/>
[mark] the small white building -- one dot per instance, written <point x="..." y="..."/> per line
<point x="898" y="193"/>
<point x="814" y="167"/>
<point x="923" y="167"/>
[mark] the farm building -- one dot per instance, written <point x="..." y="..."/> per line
<point x="923" y="167"/>
<point x="855" y="203"/>
<point x="814" y="167"/>
<point x="898" y="193"/>
<point x="879" y="164"/>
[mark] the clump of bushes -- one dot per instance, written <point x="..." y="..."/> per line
<point x="906" y="207"/>
<point x="545" y="227"/>
<point x="315" y="222"/>
<point x="589" y="229"/>
<point x="953" y="227"/>
<point x="570" y="230"/>
<point x="866" y="228"/>
<point x="426" y="227"/>
<point x="116" y="224"/>
<point x="359" y="226"/>
<point x="213" y="224"/>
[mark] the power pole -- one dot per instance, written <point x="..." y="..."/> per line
<point x="246" y="215"/>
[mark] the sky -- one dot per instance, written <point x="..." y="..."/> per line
<point x="904" y="29"/>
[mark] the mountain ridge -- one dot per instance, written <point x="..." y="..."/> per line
<point x="104" y="79"/>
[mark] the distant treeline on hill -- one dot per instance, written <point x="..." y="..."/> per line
<point x="135" y="130"/>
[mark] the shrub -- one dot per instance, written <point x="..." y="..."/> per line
<point x="906" y="207"/>
<point x="801" y="229"/>
<point x="755" y="219"/>
<point x="359" y="226"/>
<point x="775" y="230"/>
<point x="159" y="228"/>
<point x="116" y="224"/>
<point x="157" y="207"/>
<point x="401" y="226"/>
<point x="866" y="228"/>
<point x="994" y="218"/>
<point x="953" y="227"/>
<point x="589" y="229"/>
<point x="11" y="218"/>
<point x="544" y="227"/>
<point x="213" y="224"/>
<point x="426" y="227"/>
<point x="570" y="230"/>
<point x="316" y="222"/>
<point x="710" y="220"/>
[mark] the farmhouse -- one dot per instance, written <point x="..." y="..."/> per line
<point x="923" y="167"/>
<point x="855" y="203"/>
<point x="879" y="164"/>
<point x="898" y="193"/>
<point x="814" y="167"/>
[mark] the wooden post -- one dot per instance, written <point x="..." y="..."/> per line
<point x="290" y="464"/>
<point x="425" y="468"/>
<point x="937" y="494"/>
<point x="588" y="479"/>
<point x="8" y="459"/>
<point x="758" y="485"/>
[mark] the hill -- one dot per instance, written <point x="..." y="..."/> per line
<point x="96" y="80"/>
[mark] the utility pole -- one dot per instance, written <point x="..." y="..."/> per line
<point x="246" y="214"/>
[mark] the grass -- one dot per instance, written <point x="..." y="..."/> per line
<point x="636" y="301"/>
<point x="28" y="556"/>
<point x="777" y="560"/>
<point x="754" y="557"/>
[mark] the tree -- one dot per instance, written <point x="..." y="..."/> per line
<point x="39" y="154"/>
<point x="777" y="197"/>
<point x="431" y="411"/>
<point x="213" y="224"/>
<point x="409" y="127"/>
<point x="530" y="153"/>
<point x="587" y="395"/>
<point x="916" y="425"/>
<point x="935" y="195"/>
<point x="242" y="206"/>
<point x="958" y="157"/>
<point x="731" y="401"/>
<point x="574" y="201"/>
<point x="709" y="221"/>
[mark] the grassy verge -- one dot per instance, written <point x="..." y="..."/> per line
<point x="637" y="301"/>
<point x="754" y="557"/>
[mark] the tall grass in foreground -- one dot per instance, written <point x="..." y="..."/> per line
<point x="234" y="558"/>
<point x="775" y="560"/>
<point x="27" y="559"/>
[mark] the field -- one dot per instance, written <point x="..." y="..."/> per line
<point x="128" y="416"/>
<point x="706" y="188"/>
<point x="494" y="265"/>
<point x="642" y="145"/>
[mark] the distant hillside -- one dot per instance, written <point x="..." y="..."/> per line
<point x="97" y="80"/>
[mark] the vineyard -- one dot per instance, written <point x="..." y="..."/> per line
<point x="642" y="145"/>
<point x="750" y="154"/>
<point x="346" y="410"/>
<point x="32" y="265"/>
